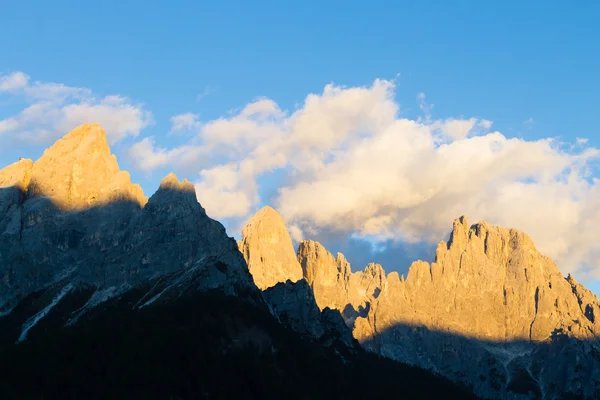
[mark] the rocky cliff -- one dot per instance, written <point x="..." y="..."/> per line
<point x="490" y="311"/>
<point x="268" y="250"/>
<point x="294" y="304"/>
<point x="72" y="219"/>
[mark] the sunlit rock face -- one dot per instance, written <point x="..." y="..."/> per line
<point x="79" y="171"/>
<point x="73" y="219"/>
<point x="335" y="286"/>
<point x="268" y="250"/>
<point x="494" y="310"/>
<point x="489" y="283"/>
<point x="490" y="312"/>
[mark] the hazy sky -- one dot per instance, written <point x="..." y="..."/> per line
<point x="369" y="125"/>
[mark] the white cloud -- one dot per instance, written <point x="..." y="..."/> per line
<point x="184" y="122"/>
<point x="149" y="157"/>
<point x="485" y="123"/>
<point x="351" y="165"/>
<point x="227" y="191"/>
<point x="14" y="81"/>
<point x="54" y="109"/>
<point x="425" y="107"/>
<point x="457" y="128"/>
<point x="8" y="124"/>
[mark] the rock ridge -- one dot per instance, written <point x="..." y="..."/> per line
<point x="489" y="292"/>
<point x="267" y="248"/>
<point x="73" y="219"/>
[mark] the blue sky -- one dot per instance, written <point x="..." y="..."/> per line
<point x="530" y="68"/>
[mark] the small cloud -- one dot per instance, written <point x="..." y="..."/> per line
<point x="485" y="123"/>
<point x="13" y="82"/>
<point x="184" y="122"/>
<point x="528" y="122"/>
<point x="425" y="107"/>
<point x="207" y="90"/>
<point x="582" y="141"/>
<point x="455" y="129"/>
<point x="296" y="233"/>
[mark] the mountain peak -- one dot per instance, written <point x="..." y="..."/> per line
<point x="79" y="171"/>
<point x="171" y="182"/>
<point x="268" y="249"/>
<point x="266" y="216"/>
<point x="17" y="174"/>
<point x="93" y="130"/>
<point x="74" y="218"/>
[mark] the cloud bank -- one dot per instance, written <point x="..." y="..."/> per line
<point x="346" y="164"/>
<point x="352" y="165"/>
<point x="51" y="109"/>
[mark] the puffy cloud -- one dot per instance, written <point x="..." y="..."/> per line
<point x="53" y="109"/>
<point x="14" y="81"/>
<point x="149" y="157"/>
<point x="352" y="166"/>
<point x="8" y="124"/>
<point x="457" y="128"/>
<point x="226" y="191"/>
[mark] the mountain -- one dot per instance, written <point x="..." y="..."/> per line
<point x="105" y="293"/>
<point x="268" y="250"/>
<point x="491" y="312"/>
<point x="73" y="220"/>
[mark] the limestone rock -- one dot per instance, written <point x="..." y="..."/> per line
<point x="79" y="222"/>
<point x="14" y="181"/>
<point x="17" y="175"/>
<point x="486" y="313"/>
<point x="79" y="171"/>
<point x="327" y="276"/>
<point x="294" y="304"/>
<point x="489" y="283"/>
<point x="335" y="286"/>
<point x="268" y="250"/>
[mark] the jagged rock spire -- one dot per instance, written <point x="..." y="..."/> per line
<point x="79" y="171"/>
<point x="487" y="284"/>
<point x="118" y="240"/>
<point x="268" y="249"/>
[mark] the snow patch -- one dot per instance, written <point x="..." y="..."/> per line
<point x="32" y="321"/>
<point x="148" y="293"/>
<point x="99" y="296"/>
<point x="186" y="275"/>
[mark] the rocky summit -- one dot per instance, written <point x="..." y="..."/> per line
<point x="491" y="312"/>
<point x="73" y="219"/>
<point x="268" y="250"/>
